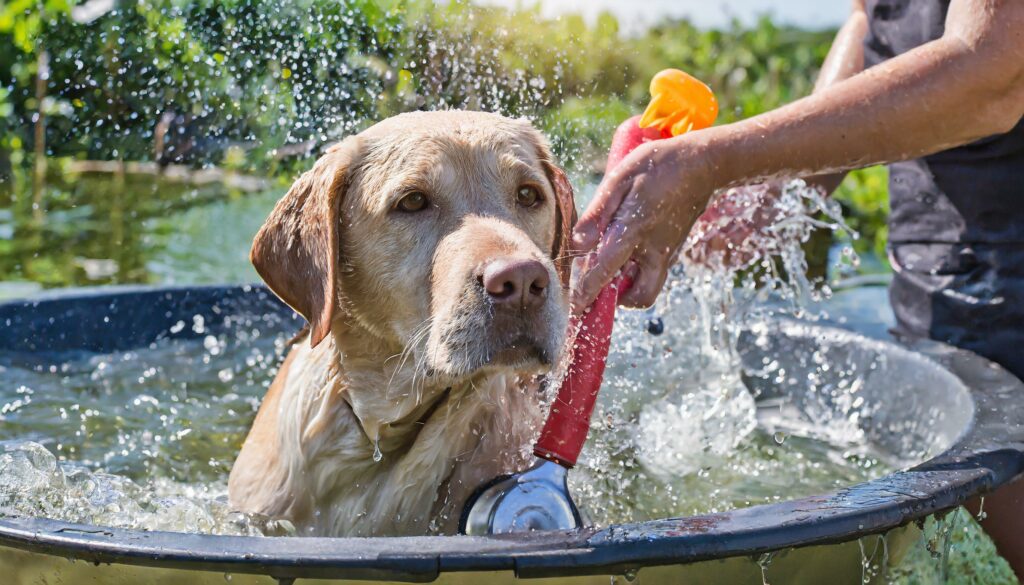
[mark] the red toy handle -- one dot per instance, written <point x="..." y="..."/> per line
<point x="679" y="103"/>
<point x="568" y="422"/>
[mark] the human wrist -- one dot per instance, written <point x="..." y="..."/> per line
<point x="708" y="154"/>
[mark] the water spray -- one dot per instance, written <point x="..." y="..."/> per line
<point x="538" y="498"/>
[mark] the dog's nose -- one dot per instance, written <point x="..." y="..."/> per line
<point x="515" y="282"/>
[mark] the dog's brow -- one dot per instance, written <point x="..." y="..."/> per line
<point x="522" y="170"/>
<point x="417" y="173"/>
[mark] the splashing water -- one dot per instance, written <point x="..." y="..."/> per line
<point x="144" y="439"/>
<point x="876" y="564"/>
<point x="34" y="484"/>
<point x="138" y="439"/>
<point x="763" y="562"/>
<point x="678" y="432"/>
<point x="705" y="411"/>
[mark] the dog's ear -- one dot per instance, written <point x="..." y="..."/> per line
<point x="565" y="207"/>
<point x="296" y="252"/>
<point x="565" y="220"/>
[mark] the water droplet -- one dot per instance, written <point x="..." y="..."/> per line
<point x="377" y="455"/>
<point x="764" y="561"/>
<point x="655" y="326"/>
<point x="780" y="437"/>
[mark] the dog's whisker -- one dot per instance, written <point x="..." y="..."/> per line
<point x="418" y="379"/>
<point x="420" y="365"/>
<point x="418" y="333"/>
<point x="570" y="255"/>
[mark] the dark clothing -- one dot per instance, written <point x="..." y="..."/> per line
<point x="956" y="227"/>
<point x="971" y="193"/>
<point x="968" y="295"/>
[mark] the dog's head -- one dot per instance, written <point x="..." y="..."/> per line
<point x="445" y="233"/>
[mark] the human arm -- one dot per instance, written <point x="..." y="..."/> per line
<point x="964" y="86"/>
<point x="722" y="230"/>
<point x="844" y="60"/>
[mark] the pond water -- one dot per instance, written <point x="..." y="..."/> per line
<point x="137" y="230"/>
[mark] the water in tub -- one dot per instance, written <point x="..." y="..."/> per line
<point x="145" y="438"/>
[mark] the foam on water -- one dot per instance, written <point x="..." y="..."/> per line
<point x="33" y="483"/>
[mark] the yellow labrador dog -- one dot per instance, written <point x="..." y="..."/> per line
<point x="430" y="256"/>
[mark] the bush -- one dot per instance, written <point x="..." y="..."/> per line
<point x="203" y="76"/>
<point x="257" y="86"/>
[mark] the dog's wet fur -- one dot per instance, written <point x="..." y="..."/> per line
<point x="414" y="348"/>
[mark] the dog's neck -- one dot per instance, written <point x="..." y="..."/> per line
<point x="388" y="394"/>
<point x="421" y="446"/>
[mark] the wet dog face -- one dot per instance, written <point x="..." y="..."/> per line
<point x="443" y="233"/>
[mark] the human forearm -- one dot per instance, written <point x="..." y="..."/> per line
<point x="967" y="85"/>
<point x="844" y="60"/>
<point x="941" y="95"/>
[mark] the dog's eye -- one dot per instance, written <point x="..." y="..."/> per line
<point x="527" y="196"/>
<point x="415" y="201"/>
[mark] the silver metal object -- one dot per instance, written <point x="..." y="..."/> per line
<point x="536" y="499"/>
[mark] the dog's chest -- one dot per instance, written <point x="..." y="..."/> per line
<point x="418" y="476"/>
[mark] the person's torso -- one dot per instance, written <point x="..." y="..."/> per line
<point x="973" y="193"/>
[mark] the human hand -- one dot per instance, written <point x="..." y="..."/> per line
<point x="727" y="233"/>
<point x="642" y="211"/>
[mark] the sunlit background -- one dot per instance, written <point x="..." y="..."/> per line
<point x="145" y="142"/>
<point x="641" y="14"/>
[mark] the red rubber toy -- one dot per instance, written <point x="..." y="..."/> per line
<point x="679" y="103"/>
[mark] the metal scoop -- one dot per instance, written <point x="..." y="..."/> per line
<point x="535" y="499"/>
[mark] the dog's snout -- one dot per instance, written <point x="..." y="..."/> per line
<point x="516" y="282"/>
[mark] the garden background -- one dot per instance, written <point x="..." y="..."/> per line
<point x="139" y="141"/>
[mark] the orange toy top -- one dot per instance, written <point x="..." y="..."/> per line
<point x="679" y="103"/>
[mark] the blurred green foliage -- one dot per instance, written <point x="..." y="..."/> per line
<point x="864" y="196"/>
<point x="258" y="86"/>
<point x="971" y="560"/>
<point x="260" y="74"/>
